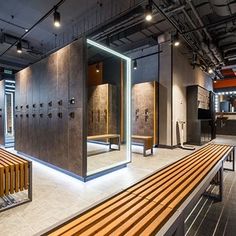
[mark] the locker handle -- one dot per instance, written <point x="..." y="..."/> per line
<point x="16" y="115"/>
<point x="72" y="115"/>
<point x="27" y="115"/>
<point x="34" y="105"/>
<point x="21" y="115"/>
<point x="59" y="114"/>
<point x="72" y="100"/>
<point x="27" y="106"/>
<point x="60" y="102"/>
<point x="50" y="115"/>
<point x="33" y="115"/>
<point x="41" y="115"/>
<point x="50" y="104"/>
<point x="21" y="107"/>
<point x="41" y="105"/>
<point x="16" y="107"/>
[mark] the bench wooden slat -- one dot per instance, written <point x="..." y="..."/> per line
<point x="24" y="168"/>
<point x="144" y="208"/>
<point x="17" y="183"/>
<point x="165" y="172"/>
<point x="1" y="180"/>
<point x="173" y="181"/>
<point x="103" y="136"/>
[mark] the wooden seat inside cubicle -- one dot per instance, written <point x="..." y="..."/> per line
<point x="158" y="204"/>
<point x="112" y="138"/>
<point x="147" y="142"/>
<point x="15" y="176"/>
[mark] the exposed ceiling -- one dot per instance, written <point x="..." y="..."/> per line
<point x="208" y="27"/>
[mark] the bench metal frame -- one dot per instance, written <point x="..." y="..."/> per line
<point x="9" y="199"/>
<point x="175" y="225"/>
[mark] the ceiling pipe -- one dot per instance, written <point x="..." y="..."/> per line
<point x="213" y="48"/>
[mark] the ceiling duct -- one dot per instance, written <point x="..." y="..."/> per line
<point x="223" y="7"/>
<point x="216" y="52"/>
<point x="208" y="52"/>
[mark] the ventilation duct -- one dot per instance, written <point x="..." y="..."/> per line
<point x="223" y="7"/>
<point x="208" y="52"/>
<point x="216" y="52"/>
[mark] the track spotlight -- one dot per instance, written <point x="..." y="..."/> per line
<point x="135" y="64"/>
<point x="97" y="68"/>
<point x="57" y="18"/>
<point x="26" y="30"/>
<point x="19" y="47"/>
<point x="215" y="80"/>
<point x="148" y="11"/>
<point x="210" y="71"/>
<point x="176" y="41"/>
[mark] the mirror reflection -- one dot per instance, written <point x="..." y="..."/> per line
<point x="106" y="110"/>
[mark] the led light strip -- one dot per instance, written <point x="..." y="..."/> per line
<point x="128" y="91"/>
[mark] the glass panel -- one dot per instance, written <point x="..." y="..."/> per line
<point x="108" y="108"/>
<point x="9" y="120"/>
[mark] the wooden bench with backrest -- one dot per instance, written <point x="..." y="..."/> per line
<point x="15" y="176"/>
<point x="113" y="139"/>
<point x="147" y="142"/>
<point x="158" y="204"/>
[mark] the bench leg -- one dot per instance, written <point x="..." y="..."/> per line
<point x="116" y="143"/>
<point x="231" y="158"/>
<point x="217" y="180"/>
<point x="221" y="183"/>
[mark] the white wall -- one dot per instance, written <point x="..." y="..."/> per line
<point x="183" y="76"/>
<point x="165" y="95"/>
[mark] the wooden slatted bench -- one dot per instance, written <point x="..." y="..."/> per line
<point x="147" y="142"/>
<point x="15" y="176"/>
<point x="158" y="204"/>
<point x="113" y="139"/>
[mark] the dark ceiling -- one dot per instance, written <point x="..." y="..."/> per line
<point x="208" y="27"/>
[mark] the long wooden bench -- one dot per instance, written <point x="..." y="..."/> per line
<point x="158" y="204"/>
<point x="113" y="139"/>
<point x="15" y="176"/>
<point x="147" y="142"/>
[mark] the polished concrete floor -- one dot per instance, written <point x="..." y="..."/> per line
<point x="57" y="196"/>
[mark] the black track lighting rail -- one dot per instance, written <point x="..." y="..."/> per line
<point x="33" y="26"/>
<point x="10" y="23"/>
<point x="147" y="55"/>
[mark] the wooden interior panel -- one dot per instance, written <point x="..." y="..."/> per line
<point x="144" y="112"/>
<point x="95" y="78"/>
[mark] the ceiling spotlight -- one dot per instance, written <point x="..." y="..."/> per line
<point x="135" y="64"/>
<point x="148" y="11"/>
<point x="210" y="71"/>
<point x="97" y="68"/>
<point x="215" y="80"/>
<point x="57" y="18"/>
<point x="26" y="30"/>
<point x="19" y="47"/>
<point x="176" y="41"/>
